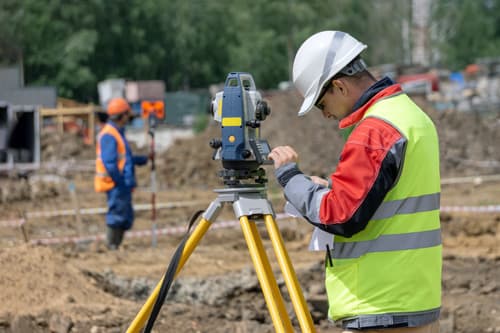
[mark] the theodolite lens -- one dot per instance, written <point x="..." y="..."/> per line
<point x="262" y="110"/>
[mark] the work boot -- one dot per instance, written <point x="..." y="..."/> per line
<point x="114" y="237"/>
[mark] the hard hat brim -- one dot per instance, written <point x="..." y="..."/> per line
<point x="307" y="105"/>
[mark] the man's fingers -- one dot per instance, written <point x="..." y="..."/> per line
<point x="290" y="152"/>
<point x="282" y="155"/>
<point x="274" y="154"/>
<point x="285" y="151"/>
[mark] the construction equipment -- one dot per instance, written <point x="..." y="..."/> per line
<point x="242" y="153"/>
<point x="153" y="111"/>
<point x="19" y="138"/>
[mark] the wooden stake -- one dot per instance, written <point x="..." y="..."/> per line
<point x="23" y="230"/>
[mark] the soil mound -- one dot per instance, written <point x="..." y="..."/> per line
<point x="35" y="278"/>
<point x="56" y="147"/>
<point x="468" y="142"/>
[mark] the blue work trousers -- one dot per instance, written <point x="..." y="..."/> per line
<point x="120" y="212"/>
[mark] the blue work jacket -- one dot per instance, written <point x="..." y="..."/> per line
<point x="120" y="213"/>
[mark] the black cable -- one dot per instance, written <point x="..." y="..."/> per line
<point x="169" y="275"/>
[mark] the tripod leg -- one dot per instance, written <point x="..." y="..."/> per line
<point x="292" y="284"/>
<point x="193" y="240"/>
<point x="270" y="289"/>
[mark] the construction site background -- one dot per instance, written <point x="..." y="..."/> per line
<point x="57" y="207"/>
<point x="58" y="276"/>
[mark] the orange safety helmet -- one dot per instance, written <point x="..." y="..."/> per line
<point x="117" y="106"/>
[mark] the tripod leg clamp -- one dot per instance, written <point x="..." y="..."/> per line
<point x="250" y="206"/>
<point x="212" y="211"/>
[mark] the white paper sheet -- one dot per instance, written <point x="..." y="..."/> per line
<point x="319" y="238"/>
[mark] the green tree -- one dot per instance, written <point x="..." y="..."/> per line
<point x="10" y="47"/>
<point x="200" y="33"/>
<point x="466" y="30"/>
<point x="56" y="39"/>
<point x="188" y="44"/>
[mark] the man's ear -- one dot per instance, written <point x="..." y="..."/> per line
<point x="341" y="86"/>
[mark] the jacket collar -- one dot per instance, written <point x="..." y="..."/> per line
<point x="120" y="129"/>
<point x="380" y="89"/>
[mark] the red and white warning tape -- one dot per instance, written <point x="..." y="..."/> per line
<point x="177" y="204"/>
<point x="65" y="240"/>
<point x="216" y="225"/>
<point x="12" y="223"/>
<point x="471" y="209"/>
<point x="103" y="210"/>
<point x="137" y="233"/>
<point x="470" y="179"/>
<point x="140" y="207"/>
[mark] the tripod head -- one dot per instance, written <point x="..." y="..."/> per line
<point x="234" y="177"/>
<point x="239" y="109"/>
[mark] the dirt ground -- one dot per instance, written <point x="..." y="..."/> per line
<point x="82" y="287"/>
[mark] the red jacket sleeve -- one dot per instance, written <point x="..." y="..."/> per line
<point x="369" y="165"/>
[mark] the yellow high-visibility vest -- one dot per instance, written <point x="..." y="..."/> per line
<point x="393" y="266"/>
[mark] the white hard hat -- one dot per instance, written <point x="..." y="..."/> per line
<point x="318" y="59"/>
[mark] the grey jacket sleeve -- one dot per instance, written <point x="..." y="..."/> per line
<point x="301" y="192"/>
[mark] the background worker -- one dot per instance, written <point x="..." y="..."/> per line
<point x="382" y="201"/>
<point x="115" y="171"/>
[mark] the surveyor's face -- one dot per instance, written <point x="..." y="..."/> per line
<point x="334" y="104"/>
<point x="127" y="117"/>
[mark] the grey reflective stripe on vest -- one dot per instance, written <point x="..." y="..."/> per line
<point x="102" y="174"/>
<point x="120" y="157"/>
<point x="423" y="203"/>
<point x="398" y="242"/>
<point x="413" y="319"/>
<point x="337" y="39"/>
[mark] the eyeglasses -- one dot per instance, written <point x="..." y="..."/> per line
<point x="319" y="102"/>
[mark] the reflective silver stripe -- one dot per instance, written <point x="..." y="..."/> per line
<point x="102" y="174"/>
<point x="384" y="243"/>
<point x="120" y="156"/>
<point x="337" y="40"/>
<point x="412" y="319"/>
<point x="423" y="203"/>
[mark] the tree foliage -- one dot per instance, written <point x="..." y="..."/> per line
<point x="466" y="30"/>
<point x="193" y="43"/>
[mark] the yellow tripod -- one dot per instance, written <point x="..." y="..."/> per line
<point x="248" y="203"/>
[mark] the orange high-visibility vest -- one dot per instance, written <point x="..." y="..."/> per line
<point x="102" y="180"/>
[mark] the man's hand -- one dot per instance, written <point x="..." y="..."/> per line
<point x="282" y="155"/>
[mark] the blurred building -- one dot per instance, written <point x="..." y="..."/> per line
<point x="20" y="121"/>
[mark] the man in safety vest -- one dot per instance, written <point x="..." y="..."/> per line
<point x="115" y="171"/>
<point x="381" y="203"/>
